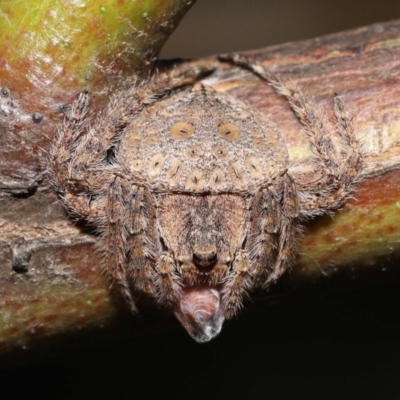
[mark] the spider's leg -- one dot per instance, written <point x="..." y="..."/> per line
<point x="141" y="239"/>
<point x="168" y="282"/>
<point x="327" y="181"/>
<point x="115" y="241"/>
<point x="275" y="213"/>
<point x="288" y="230"/>
<point x="264" y="233"/>
<point x="236" y="283"/>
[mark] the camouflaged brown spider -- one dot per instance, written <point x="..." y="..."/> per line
<point x="193" y="192"/>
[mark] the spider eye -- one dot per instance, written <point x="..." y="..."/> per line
<point x="181" y="131"/>
<point x="37" y="117"/>
<point x="205" y="257"/>
<point x="229" y="132"/>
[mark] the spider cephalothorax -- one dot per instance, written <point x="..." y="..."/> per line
<point x="193" y="191"/>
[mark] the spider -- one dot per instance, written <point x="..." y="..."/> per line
<point x="193" y="192"/>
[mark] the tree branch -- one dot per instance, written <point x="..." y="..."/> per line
<point x="50" y="271"/>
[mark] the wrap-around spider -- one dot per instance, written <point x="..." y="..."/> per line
<point x="193" y="192"/>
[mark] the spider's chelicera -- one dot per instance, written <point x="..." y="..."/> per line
<point x="193" y="192"/>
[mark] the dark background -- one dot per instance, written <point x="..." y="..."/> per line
<point x="336" y="339"/>
<point x="219" y="26"/>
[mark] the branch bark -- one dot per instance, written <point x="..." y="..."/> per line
<point x="50" y="271"/>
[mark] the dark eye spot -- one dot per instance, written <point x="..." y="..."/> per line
<point x="181" y="130"/>
<point x="4" y="93"/>
<point x="62" y="108"/>
<point x="197" y="257"/>
<point x="229" y="132"/>
<point x="37" y="117"/>
<point x="205" y="257"/>
<point x="212" y="256"/>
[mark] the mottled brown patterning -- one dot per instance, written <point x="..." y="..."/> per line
<point x="193" y="191"/>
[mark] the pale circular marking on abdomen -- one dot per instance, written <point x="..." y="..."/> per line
<point x="181" y="130"/>
<point x="193" y="152"/>
<point x="217" y="180"/>
<point x="155" y="164"/>
<point x="135" y="139"/>
<point x="175" y="171"/>
<point x="229" y="132"/>
<point x="220" y="152"/>
<point x="254" y="167"/>
<point x="152" y="139"/>
<point x="236" y="174"/>
<point x="257" y="140"/>
<point x="195" y="181"/>
<point x="136" y="165"/>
